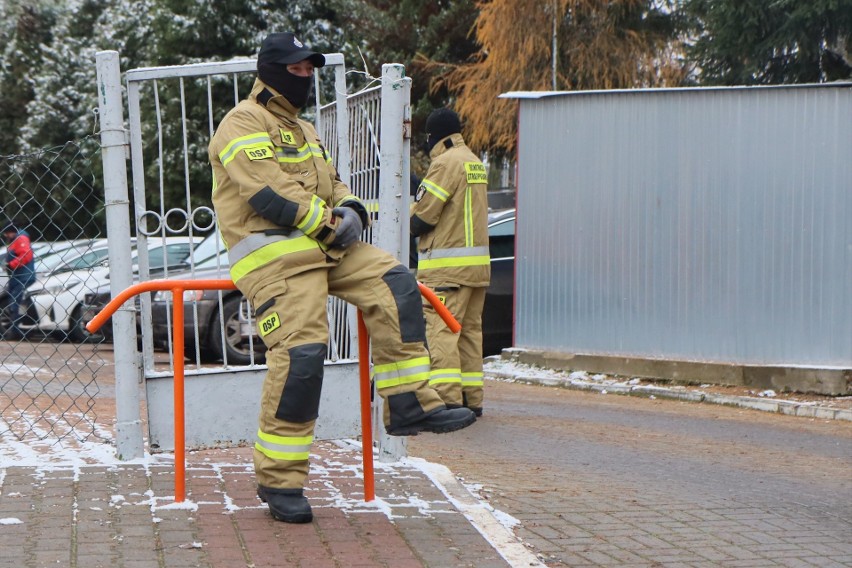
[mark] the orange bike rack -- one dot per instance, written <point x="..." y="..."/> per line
<point x="178" y="287"/>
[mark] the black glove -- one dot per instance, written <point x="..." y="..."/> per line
<point x="349" y="227"/>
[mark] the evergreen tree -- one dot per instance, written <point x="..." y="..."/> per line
<point x="24" y="27"/>
<point x="787" y="41"/>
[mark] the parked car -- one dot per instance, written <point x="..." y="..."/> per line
<point x="202" y="309"/>
<point x="499" y="297"/>
<point x="57" y="301"/>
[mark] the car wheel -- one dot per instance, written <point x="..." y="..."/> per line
<point x="235" y="310"/>
<point x="77" y="331"/>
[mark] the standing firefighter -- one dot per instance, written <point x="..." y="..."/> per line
<point x="450" y="215"/>
<point x="293" y="229"/>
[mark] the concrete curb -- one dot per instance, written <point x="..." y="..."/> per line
<point x="790" y="408"/>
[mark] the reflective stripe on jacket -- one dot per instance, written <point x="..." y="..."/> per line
<point x="453" y="200"/>
<point x="274" y="187"/>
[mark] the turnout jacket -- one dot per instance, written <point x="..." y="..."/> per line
<point x="450" y="215"/>
<point x="274" y="187"/>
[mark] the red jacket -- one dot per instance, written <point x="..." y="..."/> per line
<point x="19" y="252"/>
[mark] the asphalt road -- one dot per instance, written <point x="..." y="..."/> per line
<point x="605" y="480"/>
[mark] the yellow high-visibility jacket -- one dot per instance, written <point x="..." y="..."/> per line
<point x="450" y="215"/>
<point x="274" y="187"/>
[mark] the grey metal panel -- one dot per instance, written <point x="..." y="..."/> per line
<point x="707" y="225"/>
<point x="215" y="417"/>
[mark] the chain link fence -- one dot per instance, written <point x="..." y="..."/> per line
<point x="55" y="378"/>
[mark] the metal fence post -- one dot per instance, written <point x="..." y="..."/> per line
<point x="394" y="170"/>
<point x="128" y="424"/>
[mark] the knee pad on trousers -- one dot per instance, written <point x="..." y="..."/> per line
<point x="409" y="306"/>
<point x="301" y="395"/>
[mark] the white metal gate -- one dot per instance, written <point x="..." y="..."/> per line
<point x="173" y="111"/>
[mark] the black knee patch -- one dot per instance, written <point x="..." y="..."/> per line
<point x="409" y="306"/>
<point x="404" y="409"/>
<point x="301" y="395"/>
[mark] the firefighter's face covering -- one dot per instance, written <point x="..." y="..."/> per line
<point x="286" y="65"/>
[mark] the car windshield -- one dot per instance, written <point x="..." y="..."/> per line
<point x="85" y="261"/>
<point x="169" y="255"/>
<point x="208" y="249"/>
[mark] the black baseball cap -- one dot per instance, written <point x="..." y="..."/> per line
<point x="285" y="49"/>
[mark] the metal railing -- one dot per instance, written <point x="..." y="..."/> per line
<point x="177" y="288"/>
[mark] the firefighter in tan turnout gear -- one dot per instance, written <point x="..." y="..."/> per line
<point x="450" y="216"/>
<point x="292" y="229"/>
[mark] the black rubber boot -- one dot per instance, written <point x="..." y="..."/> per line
<point x="439" y="422"/>
<point x="288" y="505"/>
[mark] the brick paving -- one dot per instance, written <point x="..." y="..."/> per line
<point x="124" y="515"/>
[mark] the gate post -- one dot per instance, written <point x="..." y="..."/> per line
<point x="394" y="167"/>
<point x="128" y="424"/>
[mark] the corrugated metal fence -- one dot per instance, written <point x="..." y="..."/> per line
<point x="692" y="224"/>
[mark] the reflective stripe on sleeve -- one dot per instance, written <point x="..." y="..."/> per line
<point x="435" y="189"/>
<point x="288" y="448"/>
<point x="401" y="373"/>
<point x="314" y="217"/>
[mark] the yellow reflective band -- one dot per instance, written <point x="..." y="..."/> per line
<point x="453" y="262"/>
<point x="401" y="373"/>
<point x="468" y="218"/>
<point x="445" y="376"/>
<point x="269" y="253"/>
<point x="269" y="324"/>
<point x="296" y="448"/>
<point x="475" y="172"/>
<point x="472" y="379"/>
<point x="435" y="189"/>
<point x="250" y="141"/>
<point x="314" y="217"/>
<point x="302" y="154"/>
<point x="350" y="198"/>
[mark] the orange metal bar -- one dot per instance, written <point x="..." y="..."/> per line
<point x="366" y="417"/>
<point x="442" y="310"/>
<point x="177" y="288"/>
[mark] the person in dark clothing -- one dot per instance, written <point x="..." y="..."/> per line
<point x="21" y="267"/>
<point x="414" y="183"/>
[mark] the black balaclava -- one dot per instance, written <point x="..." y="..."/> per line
<point x="276" y="52"/>
<point x="295" y="89"/>
<point x="440" y="124"/>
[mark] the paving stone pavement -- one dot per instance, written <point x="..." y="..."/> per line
<point x="125" y="515"/>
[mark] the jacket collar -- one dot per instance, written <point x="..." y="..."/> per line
<point x="273" y="101"/>
<point x="456" y="140"/>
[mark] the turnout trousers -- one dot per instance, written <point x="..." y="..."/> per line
<point x="457" y="358"/>
<point x="293" y="323"/>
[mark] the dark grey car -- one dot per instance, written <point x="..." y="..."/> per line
<point x="499" y="297"/>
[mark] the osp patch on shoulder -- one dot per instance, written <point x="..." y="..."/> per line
<point x="269" y="324"/>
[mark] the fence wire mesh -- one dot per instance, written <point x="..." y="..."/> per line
<point x="54" y="376"/>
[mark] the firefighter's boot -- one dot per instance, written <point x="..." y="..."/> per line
<point x="288" y="505"/>
<point x="439" y="421"/>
